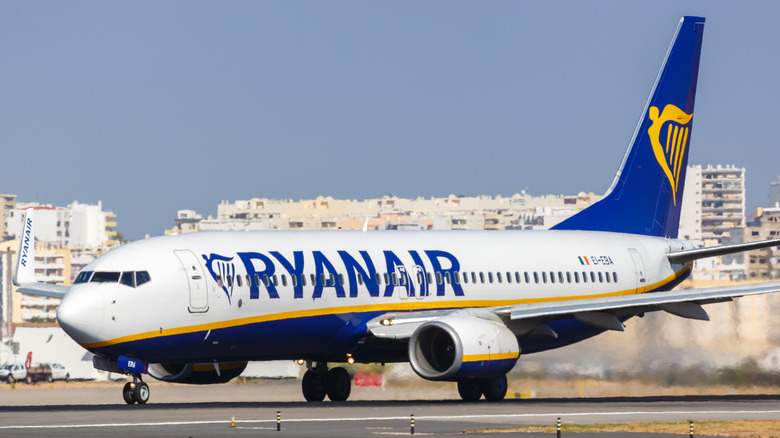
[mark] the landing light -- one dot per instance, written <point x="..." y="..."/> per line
<point x="301" y="361"/>
<point x="386" y="322"/>
<point x="350" y="359"/>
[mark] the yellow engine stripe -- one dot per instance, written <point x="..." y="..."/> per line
<point x="489" y="357"/>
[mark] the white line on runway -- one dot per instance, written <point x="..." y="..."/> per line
<point x="417" y="418"/>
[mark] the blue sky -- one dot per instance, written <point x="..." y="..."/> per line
<point x="156" y="106"/>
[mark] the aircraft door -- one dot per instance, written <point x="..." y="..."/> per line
<point x="639" y="268"/>
<point x="421" y="281"/>
<point x="199" y="299"/>
<point x="403" y="283"/>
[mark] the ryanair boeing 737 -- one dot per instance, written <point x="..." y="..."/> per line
<point x="459" y="306"/>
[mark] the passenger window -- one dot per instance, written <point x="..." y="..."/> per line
<point x="517" y="277"/>
<point x="607" y="277"/>
<point x="536" y="277"/>
<point x="322" y="280"/>
<point x="332" y="280"/>
<point x="448" y="278"/>
<point x="439" y="279"/>
<point x="419" y="278"/>
<point x="560" y="277"/>
<point x="576" y="277"/>
<point x="568" y="277"/>
<point x="83" y="277"/>
<point x="105" y="277"/>
<point x="303" y="279"/>
<point x="527" y="278"/>
<point x="219" y="281"/>
<point x="552" y="277"/>
<point x="238" y="280"/>
<point x="544" y="277"/>
<point x="387" y="278"/>
<point x="276" y="280"/>
<point x="378" y="278"/>
<point x="465" y="277"/>
<point x="341" y="279"/>
<point x="490" y="277"/>
<point x="230" y="281"/>
<point x="482" y="277"/>
<point x="592" y="277"/>
<point x="127" y="279"/>
<point x="473" y="277"/>
<point x="456" y="277"/>
<point x="395" y="279"/>
<point x="614" y="277"/>
<point x="402" y="277"/>
<point x="498" y="277"/>
<point x="430" y="277"/>
<point x="584" y="277"/>
<point x="360" y="278"/>
<point x="284" y="280"/>
<point x="601" y="280"/>
<point x="313" y="279"/>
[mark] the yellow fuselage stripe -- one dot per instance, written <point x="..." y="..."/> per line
<point x="419" y="305"/>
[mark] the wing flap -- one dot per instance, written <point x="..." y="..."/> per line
<point x="628" y="304"/>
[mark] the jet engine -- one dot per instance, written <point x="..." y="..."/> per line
<point x="457" y="347"/>
<point x="196" y="373"/>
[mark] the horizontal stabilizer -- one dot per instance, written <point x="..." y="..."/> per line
<point x="700" y="253"/>
<point x="43" y="290"/>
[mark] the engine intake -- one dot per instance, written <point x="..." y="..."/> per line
<point x="457" y="347"/>
<point x="196" y="373"/>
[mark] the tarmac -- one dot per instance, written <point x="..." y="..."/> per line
<point x="84" y="410"/>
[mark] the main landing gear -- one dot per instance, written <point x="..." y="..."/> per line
<point x="318" y="381"/>
<point x="136" y="391"/>
<point x="474" y="389"/>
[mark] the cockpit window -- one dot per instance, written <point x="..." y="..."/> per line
<point x="83" y="277"/>
<point x="105" y="277"/>
<point x="127" y="279"/>
<point x="142" y="277"/>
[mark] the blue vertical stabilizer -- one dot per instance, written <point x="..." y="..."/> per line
<point x="646" y="195"/>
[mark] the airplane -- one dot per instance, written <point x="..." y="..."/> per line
<point x="459" y="306"/>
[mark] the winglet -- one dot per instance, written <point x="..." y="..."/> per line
<point x="25" y="262"/>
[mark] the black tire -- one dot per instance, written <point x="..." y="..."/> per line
<point x="128" y="394"/>
<point x="470" y="390"/>
<point x="67" y="378"/>
<point x="29" y="380"/>
<point x="338" y="384"/>
<point x="11" y="380"/>
<point x="141" y="393"/>
<point x="313" y="386"/>
<point x="49" y="378"/>
<point x="494" y="389"/>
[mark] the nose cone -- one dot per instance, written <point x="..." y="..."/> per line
<point x="80" y="314"/>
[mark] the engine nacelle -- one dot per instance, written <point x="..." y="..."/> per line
<point x="196" y="373"/>
<point x="456" y="347"/>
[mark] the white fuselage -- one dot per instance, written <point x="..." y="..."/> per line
<point x="233" y="293"/>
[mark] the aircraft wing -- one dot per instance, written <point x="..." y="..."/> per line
<point x="530" y="319"/>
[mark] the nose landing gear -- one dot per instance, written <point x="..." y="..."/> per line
<point x="318" y="382"/>
<point x="136" y="391"/>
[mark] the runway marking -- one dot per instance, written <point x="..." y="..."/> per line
<point x="422" y="417"/>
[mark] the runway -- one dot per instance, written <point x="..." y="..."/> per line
<point x="31" y="413"/>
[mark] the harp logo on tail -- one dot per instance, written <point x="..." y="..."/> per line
<point x="669" y="135"/>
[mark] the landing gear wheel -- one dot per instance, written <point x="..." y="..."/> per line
<point x="494" y="389"/>
<point x="313" y="386"/>
<point x="338" y="384"/>
<point x="470" y="390"/>
<point x="127" y="393"/>
<point x="141" y="393"/>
